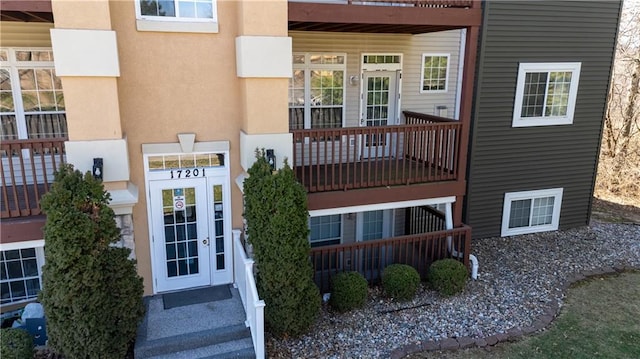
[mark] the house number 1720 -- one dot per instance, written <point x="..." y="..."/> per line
<point x="196" y="172"/>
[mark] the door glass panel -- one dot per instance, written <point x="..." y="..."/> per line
<point x="372" y="225"/>
<point x="180" y="231"/>
<point x="218" y="209"/>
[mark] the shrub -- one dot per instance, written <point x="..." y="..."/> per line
<point x="277" y="228"/>
<point x="400" y="281"/>
<point x="349" y="291"/>
<point x="91" y="294"/>
<point x="16" y="344"/>
<point x="448" y="276"/>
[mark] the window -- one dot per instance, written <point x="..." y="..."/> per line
<point x="31" y="99"/>
<point x="325" y="230"/>
<point x="435" y="71"/>
<point x="546" y="94"/>
<point x="20" y="274"/>
<point x="316" y="91"/>
<point x="531" y="211"/>
<point x="177" y="15"/>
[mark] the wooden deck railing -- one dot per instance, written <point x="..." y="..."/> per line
<point x="418" y="3"/>
<point x="371" y="257"/>
<point x="424" y="219"/>
<point x="377" y="156"/>
<point x="27" y="173"/>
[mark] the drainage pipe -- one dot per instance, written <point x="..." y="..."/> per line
<point x="449" y="225"/>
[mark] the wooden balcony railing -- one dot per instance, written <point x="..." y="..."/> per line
<point x="370" y="258"/>
<point x="366" y="157"/>
<point x="417" y="3"/>
<point x="27" y="173"/>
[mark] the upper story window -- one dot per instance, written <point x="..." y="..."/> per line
<point x="546" y="94"/>
<point x="177" y="15"/>
<point x="31" y="98"/>
<point x="435" y="72"/>
<point x="316" y="91"/>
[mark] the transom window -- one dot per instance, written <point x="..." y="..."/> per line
<point x="189" y="160"/>
<point x="325" y="230"/>
<point x="31" y="98"/>
<point x="20" y="274"/>
<point x="178" y="9"/>
<point x="531" y="211"/>
<point x="316" y="91"/>
<point x="435" y="71"/>
<point x="546" y="94"/>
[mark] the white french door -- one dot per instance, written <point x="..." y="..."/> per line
<point x="181" y="243"/>
<point x="191" y="234"/>
<point x="379" y="108"/>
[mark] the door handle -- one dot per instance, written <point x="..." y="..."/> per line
<point x="205" y="242"/>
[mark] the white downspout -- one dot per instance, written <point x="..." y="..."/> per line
<point x="449" y="225"/>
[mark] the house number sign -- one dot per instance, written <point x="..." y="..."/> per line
<point x="187" y="173"/>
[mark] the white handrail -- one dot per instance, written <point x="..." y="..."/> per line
<point x="246" y="284"/>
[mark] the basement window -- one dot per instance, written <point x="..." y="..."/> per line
<point x="531" y="211"/>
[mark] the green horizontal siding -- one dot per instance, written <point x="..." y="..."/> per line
<point x="505" y="159"/>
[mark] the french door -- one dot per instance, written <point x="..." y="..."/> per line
<point x="379" y="107"/>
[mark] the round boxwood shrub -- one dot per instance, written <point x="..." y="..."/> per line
<point x="400" y="281"/>
<point x="16" y="344"/>
<point x="448" y="276"/>
<point x="349" y="291"/>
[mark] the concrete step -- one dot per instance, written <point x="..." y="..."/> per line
<point x="234" y="337"/>
<point x="241" y="348"/>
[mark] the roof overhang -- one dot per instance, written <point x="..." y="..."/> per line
<point x="26" y="10"/>
<point x="306" y="16"/>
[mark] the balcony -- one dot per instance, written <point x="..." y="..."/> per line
<point x="425" y="241"/>
<point x="383" y="16"/>
<point x="424" y="150"/>
<point x="27" y="174"/>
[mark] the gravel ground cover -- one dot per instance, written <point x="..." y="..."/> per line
<point x="519" y="277"/>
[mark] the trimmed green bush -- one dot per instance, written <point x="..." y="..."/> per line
<point x="91" y="293"/>
<point x="277" y="226"/>
<point x="400" y="281"/>
<point x="448" y="276"/>
<point x="16" y="344"/>
<point x="349" y="291"/>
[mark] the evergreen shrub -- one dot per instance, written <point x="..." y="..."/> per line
<point x="91" y="293"/>
<point x="277" y="227"/>
<point x="349" y="291"/>
<point x="448" y="276"/>
<point x="400" y="281"/>
<point x="16" y="344"/>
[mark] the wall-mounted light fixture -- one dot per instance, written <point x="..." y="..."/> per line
<point x="271" y="158"/>
<point x="353" y="80"/>
<point x="97" y="168"/>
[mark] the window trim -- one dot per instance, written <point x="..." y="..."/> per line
<point x="307" y="67"/>
<point x="13" y="67"/>
<point x="509" y="197"/>
<point x="177" y="24"/>
<point x="340" y="238"/>
<point x="38" y="245"/>
<point x="446" y="80"/>
<point x="523" y="69"/>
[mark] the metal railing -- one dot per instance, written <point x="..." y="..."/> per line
<point x="363" y="157"/>
<point x="370" y="258"/>
<point x="28" y="168"/>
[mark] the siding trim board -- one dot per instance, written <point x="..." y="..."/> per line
<point x="506" y="159"/>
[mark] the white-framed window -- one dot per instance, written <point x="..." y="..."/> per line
<point x="325" y="230"/>
<point x="434" y="73"/>
<point x="21" y="271"/>
<point x="531" y="211"/>
<point x="177" y="15"/>
<point x="317" y="91"/>
<point x="31" y="99"/>
<point x="546" y="94"/>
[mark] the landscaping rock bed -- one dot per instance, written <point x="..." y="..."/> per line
<point x="521" y="286"/>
